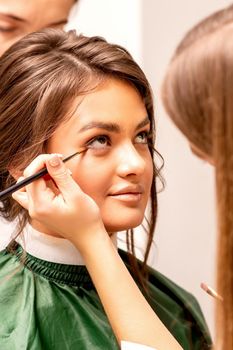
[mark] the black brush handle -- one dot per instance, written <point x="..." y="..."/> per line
<point x="8" y="191"/>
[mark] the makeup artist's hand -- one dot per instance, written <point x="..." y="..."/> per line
<point x="65" y="210"/>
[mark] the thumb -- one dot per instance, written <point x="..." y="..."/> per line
<point x="21" y="195"/>
<point x="61" y="176"/>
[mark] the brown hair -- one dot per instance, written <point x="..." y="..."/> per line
<point x="197" y="94"/>
<point x="40" y="75"/>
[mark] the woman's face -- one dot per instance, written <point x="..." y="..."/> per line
<point x="116" y="169"/>
<point x="21" y="17"/>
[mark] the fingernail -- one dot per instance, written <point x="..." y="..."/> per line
<point x="55" y="160"/>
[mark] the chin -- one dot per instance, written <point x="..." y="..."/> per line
<point x="122" y="224"/>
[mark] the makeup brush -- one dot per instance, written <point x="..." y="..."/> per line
<point x="211" y="291"/>
<point x="8" y="191"/>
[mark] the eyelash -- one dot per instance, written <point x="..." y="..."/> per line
<point x="89" y="144"/>
<point x="148" y="136"/>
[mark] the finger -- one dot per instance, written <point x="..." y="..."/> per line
<point x="21" y="198"/>
<point x="36" y="190"/>
<point x="21" y="195"/>
<point x="37" y="164"/>
<point x="62" y="177"/>
<point x="22" y="189"/>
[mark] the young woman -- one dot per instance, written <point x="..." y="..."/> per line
<point x="61" y="94"/>
<point x="197" y="93"/>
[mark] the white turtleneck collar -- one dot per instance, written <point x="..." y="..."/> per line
<point x="50" y="248"/>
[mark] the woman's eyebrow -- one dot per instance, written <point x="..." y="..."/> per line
<point x="143" y="123"/>
<point x="111" y="127"/>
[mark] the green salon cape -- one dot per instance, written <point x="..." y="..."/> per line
<point x="46" y="306"/>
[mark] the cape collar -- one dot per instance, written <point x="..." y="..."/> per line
<point x="50" y="248"/>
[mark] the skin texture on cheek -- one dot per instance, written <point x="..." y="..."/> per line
<point x="92" y="174"/>
<point x="99" y="179"/>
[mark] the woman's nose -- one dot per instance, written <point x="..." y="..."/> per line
<point x="130" y="162"/>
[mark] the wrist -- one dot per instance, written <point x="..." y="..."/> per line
<point x="88" y="243"/>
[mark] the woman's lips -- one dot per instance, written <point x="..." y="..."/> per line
<point x="128" y="197"/>
<point x="127" y="193"/>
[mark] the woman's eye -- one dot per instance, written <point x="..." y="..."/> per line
<point x="142" y="137"/>
<point x="99" y="142"/>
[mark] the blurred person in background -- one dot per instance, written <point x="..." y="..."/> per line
<point x="197" y="94"/>
<point x="21" y="17"/>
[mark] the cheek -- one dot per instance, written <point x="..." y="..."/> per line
<point x="94" y="177"/>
